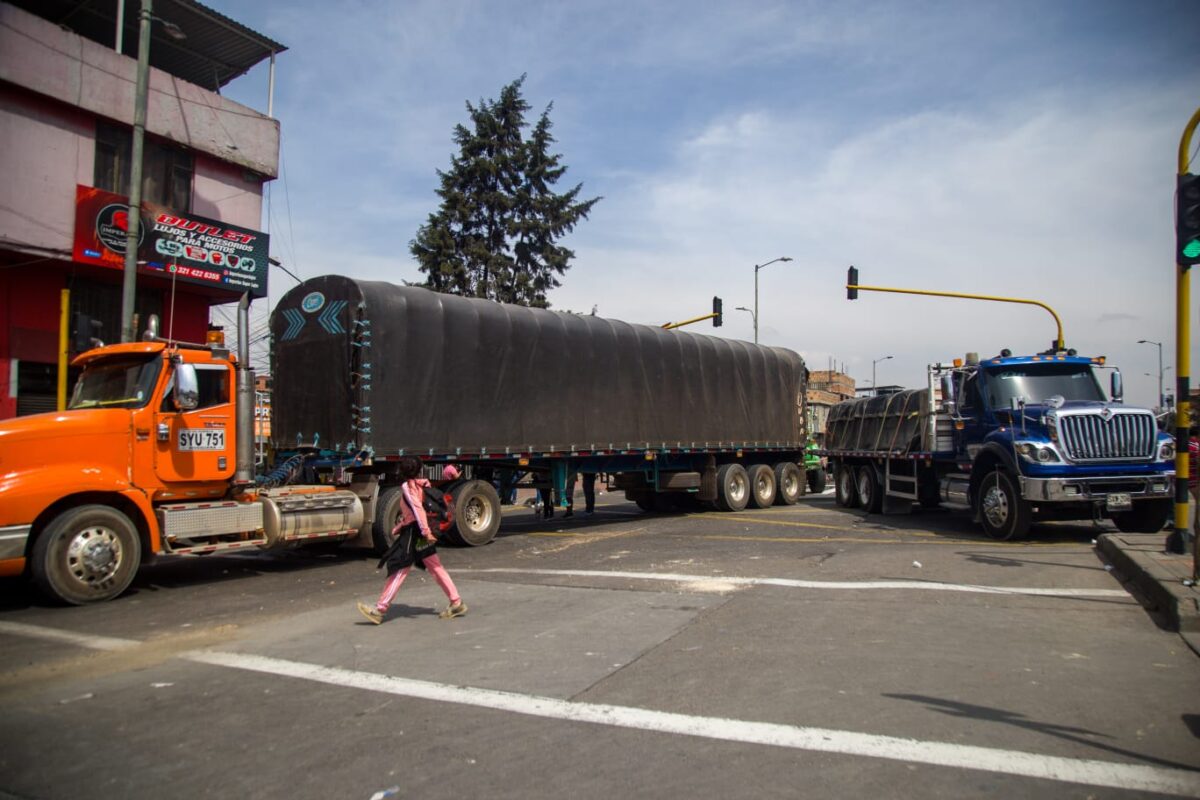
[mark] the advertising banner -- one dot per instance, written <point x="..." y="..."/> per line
<point x="195" y="249"/>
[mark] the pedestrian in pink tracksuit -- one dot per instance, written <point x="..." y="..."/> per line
<point x="415" y="544"/>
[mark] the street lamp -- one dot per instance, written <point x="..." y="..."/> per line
<point x="873" y="363"/>
<point x="1160" y="370"/>
<point x="757" y="267"/>
<point x="129" y="282"/>
<point x="753" y="316"/>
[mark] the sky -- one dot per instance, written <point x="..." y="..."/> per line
<point x="1023" y="149"/>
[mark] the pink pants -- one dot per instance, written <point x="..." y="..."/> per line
<point x="433" y="565"/>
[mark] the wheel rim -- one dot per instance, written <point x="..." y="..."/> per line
<point x="762" y="487"/>
<point x="790" y="484"/>
<point x="864" y="488"/>
<point x="995" y="506"/>
<point x="94" y="555"/>
<point x="846" y="483"/>
<point x="476" y="514"/>
<point x="737" y="488"/>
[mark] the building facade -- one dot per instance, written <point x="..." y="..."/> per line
<point x="66" y="116"/>
<point x="826" y="388"/>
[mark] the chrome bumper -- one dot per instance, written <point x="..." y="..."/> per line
<point x="12" y="541"/>
<point x="1071" y="490"/>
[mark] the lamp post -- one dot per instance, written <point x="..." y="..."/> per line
<point x="757" y="267"/>
<point x="873" y="363"/>
<point x="1160" y="369"/>
<point x="753" y="316"/>
<point x="129" y="282"/>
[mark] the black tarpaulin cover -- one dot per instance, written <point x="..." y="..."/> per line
<point x="892" y="423"/>
<point x="370" y="365"/>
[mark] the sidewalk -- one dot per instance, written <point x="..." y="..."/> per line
<point x="1156" y="578"/>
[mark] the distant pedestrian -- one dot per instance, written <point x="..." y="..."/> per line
<point x="589" y="494"/>
<point x="416" y="544"/>
<point x="1194" y="479"/>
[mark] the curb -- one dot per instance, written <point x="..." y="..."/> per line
<point x="1156" y="578"/>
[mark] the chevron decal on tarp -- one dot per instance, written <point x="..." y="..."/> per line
<point x="295" y="323"/>
<point x="329" y="317"/>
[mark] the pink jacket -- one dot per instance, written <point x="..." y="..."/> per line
<point x="414" y="495"/>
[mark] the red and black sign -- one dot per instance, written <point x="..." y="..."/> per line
<point x="196" y="249"/>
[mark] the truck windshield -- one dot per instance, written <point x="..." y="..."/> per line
<point x="117" y="383"/>
<point x="1036" y="383"/>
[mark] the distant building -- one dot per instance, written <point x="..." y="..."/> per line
<point x="67" y="100"/>
<point x="826" y="388"/>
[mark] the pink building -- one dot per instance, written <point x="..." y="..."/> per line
<point x="66" y="116"/>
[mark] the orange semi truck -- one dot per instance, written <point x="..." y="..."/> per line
<point x="151" y="457"/>
<point x="155" y="453"/>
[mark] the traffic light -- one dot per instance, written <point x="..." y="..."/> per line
<point x="1187" y="220"/>
<point x="852" y="283"/>
<point x="85" y="332"/>
<point x="716" y="312"/>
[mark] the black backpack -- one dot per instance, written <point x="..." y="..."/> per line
<point x="439" y="509"/>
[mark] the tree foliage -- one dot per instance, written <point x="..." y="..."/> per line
<point x="496" y="232"/>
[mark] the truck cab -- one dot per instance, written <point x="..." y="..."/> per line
<point x="1039" y="437"/>
<point x="78" y="487"/>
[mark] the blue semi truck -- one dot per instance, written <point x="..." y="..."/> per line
<point x="1014" y="439"/>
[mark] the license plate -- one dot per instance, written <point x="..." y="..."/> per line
<point x="1119" y="501"/>
<point x="201" y="439"/>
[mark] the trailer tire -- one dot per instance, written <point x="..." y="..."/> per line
<point x="816" y="480"/>
<point x="387" y="514"/>
<point x="762" y="486"/>
<point x="476" y="514"/>
<point x="789" y="483"/>
<point x="1146" y="517"/>
<point x="870" y="492"/>
<point x="733" y="487"/>
<point x="1004" y="514"/>
<point x="845" y="488"/>
<point x="86" y="554"/>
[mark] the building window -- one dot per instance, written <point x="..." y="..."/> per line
<point x="166" y="170"/>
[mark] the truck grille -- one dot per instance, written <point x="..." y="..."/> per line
<point x="1124" y="435"/>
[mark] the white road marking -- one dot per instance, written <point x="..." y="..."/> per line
<point x="930" y="586"/>
<point x="56" y="635"/>
<point x="1132" y="777"/>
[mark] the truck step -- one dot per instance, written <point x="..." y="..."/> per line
<point x="202" y="549"/>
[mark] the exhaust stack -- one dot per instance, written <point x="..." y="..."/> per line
<point x="244" y="474"/>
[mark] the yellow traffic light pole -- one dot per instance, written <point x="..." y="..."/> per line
<point x="1059" y="343"/>
<point x="1179" y="539"/>
<point x="670" y="325"/>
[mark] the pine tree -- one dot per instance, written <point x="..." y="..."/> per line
<point x="495" y="233"/>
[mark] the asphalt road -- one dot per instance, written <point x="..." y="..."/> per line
<point x="789" y="652"/>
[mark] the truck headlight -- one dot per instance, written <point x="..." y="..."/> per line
<point x="1166" y="450"/>
<point x="1038" y="453"/>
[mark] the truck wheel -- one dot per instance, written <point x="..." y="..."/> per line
<point x="1148" y="516"/>
<point x="789" y="483"/>
<point x="643" y="497"/>
<point x="476" y="513"/>
<point x="845" y="488"/>
<point x="762" y="486"/>
<point x="733" y="487"/>
<point x="1004" y="513"/>
<point x="870" y="493"/>
<point x="387" y="514"/>
<point x="816" y="480"/>
<point x="86" y="555"/>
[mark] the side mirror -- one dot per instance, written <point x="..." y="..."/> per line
<point x="1117" y="391"/>
<point x="949" y="398"/>
<point x="187" y="388"/>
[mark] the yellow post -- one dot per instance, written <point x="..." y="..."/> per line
<point x="1180" y="538"/>
<point x="64" y="314"/>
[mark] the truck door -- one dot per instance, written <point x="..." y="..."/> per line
<point x="198" y="445"/>
<point x="973" y="415"/>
